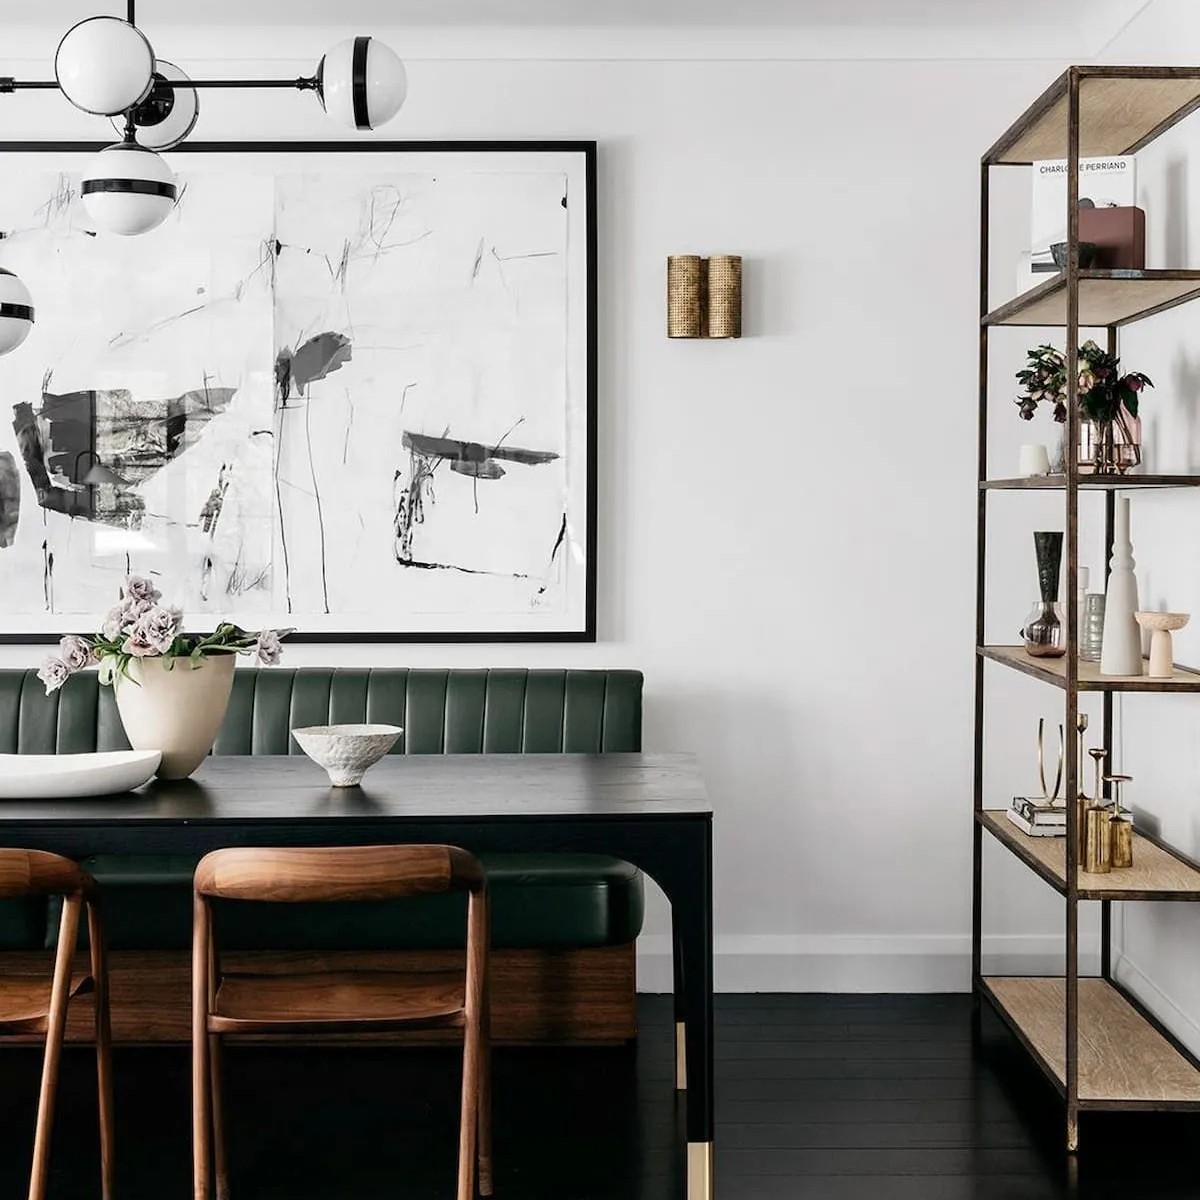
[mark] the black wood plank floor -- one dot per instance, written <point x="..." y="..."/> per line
<point x="828" y="1097"/>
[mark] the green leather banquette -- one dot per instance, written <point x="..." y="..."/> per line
<point x="539" y="901"/>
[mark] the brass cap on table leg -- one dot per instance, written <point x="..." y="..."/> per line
<point x="700" y="1171"/>
<point x="680" y="1056"/>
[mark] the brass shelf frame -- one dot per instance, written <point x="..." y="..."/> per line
<point x="1087" y="111"/>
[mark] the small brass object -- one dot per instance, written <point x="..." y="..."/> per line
<point x="1099" y="754"/>
<point x="1049" y="797"/>
<point x="1121" y="831"/>
<point x="1098" y="853"/>
<point x="1081" y="724"/>
<point x="1121" y="826"/>
<point x="1082" y="804"/>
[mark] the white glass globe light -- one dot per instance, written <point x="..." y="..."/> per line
<point x="104" y="65"/>
<point x="16" y="311"/>
<point x="361" y="82"/>
<point x="168" y="114"/>
<point x="127" y="189"/>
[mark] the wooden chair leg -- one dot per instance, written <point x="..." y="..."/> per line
<point x="485" y="1101"/>
<point x="201" y="1075"/>
<point x="217" y="1074"/>
<point x="469" y="1123"/>
<point x="60" y="991"/>
<point x="104" y="1077"/>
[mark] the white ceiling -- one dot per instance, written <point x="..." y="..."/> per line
<point x="982" y="15"/>
<point x="1043" y="30"/>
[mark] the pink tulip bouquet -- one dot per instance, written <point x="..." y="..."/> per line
<point x="140" y="626"/>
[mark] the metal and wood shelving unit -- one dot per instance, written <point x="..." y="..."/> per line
<point x="1097" y="1043"/>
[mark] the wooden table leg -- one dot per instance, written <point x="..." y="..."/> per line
<point x="689" y="886"/>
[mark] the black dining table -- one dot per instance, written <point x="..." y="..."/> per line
<point x="649" y="809"/>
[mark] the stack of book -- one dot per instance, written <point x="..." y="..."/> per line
<point x="1038" y="818"/>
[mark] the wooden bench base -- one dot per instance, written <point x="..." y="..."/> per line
<point x="560" y="997"/>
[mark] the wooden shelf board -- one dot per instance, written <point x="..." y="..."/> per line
<point x="1054" y="671"/>
<point x="1091" y="483"/>
<point x="1123" y="1059"/>
<point x="1121" y="109"/>
<point x="1156" y="874"/>
<point x="1116" y="297"/>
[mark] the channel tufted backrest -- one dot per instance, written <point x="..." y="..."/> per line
<point x="488" y="711"/>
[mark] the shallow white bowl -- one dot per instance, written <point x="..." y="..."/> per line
<point x="63" y="776"/>
<point x="346" y="751"/>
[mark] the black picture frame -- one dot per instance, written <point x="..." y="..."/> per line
<point x="587" y="148"/>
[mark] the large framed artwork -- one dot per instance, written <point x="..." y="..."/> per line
<point x="346" y="387"/>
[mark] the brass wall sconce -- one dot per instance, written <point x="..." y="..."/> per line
<point x="704" y="296"/>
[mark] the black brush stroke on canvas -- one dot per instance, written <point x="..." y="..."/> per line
<point x="476" y="460"/>
<point x="86" y="452"/>
<point x="315" y="358"/>
<point x="10" y="499"/>
<point x="473" y="457"/>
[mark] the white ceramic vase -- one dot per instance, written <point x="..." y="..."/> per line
<point x="177" y="711"/>
<point x="1121" y="650"/>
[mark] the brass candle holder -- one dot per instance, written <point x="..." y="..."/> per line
<point x="1084" y="805"/>
<point x="1098" y="842"/>
<point x="1081" y="724"/>
<point x="1120" y="825"/>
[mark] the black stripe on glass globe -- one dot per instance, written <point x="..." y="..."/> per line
<point x="20" y="312"/>
<point x="358" y="76"/>
<point x="142" y="187"/>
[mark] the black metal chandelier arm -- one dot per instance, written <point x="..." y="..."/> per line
<point x="9" y="84"/>
<point x="305" y="83"/>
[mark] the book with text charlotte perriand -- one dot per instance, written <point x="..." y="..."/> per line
<point x="1103" y="183"/>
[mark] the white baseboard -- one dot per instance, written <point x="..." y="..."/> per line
<point x="829" y="963"/>
<point x="1168" y="1011"/>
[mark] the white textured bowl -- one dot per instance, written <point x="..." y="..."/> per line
<point x="63" y="776"/>
<point x="346" y="751"/>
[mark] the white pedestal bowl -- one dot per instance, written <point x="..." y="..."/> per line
<point x="346" y="751"/>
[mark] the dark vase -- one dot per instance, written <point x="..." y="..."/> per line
<point x="1044" y="634"/>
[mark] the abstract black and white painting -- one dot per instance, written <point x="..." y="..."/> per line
<point x="348" y="391"/>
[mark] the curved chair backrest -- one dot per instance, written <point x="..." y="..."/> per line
<point x="308" y="874"/>
<point x="39" y="873"/>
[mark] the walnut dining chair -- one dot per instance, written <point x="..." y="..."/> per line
<point x="33" y="1004"/>
<point x="338" y="1001"/>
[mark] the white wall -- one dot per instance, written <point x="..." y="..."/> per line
<point x="786" y="522"/>
<point x="1159" y="734"/>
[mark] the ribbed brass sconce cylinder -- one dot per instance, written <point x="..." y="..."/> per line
<point x="685" y="296"/>
<point x="725" y="296"/>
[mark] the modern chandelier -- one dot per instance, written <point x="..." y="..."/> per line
<point x="105" y="66"/>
